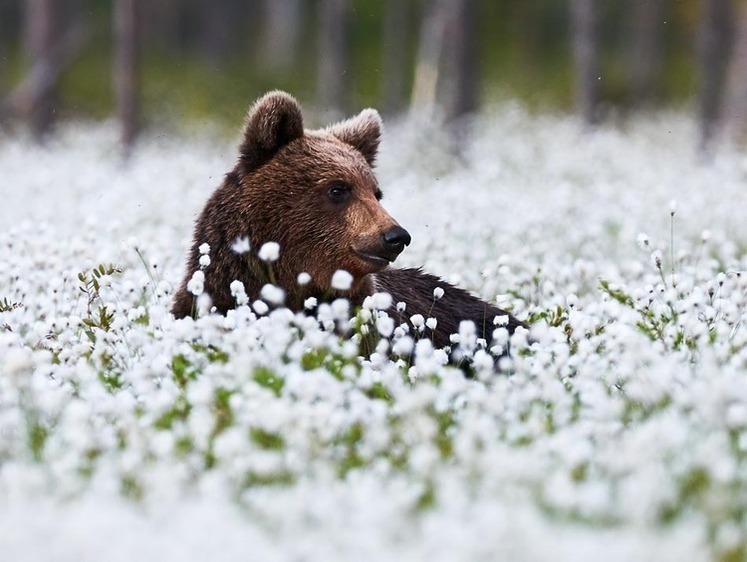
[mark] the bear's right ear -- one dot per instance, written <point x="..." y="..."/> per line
<point x="273" y="121"/>
<point x="362" y="132"/>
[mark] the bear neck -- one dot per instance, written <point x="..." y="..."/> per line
<point x="254" y="275"/>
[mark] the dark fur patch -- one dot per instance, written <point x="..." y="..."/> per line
<point x="415" y="289"/>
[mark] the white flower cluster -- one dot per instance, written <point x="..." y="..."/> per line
<point x="617" y="429"/>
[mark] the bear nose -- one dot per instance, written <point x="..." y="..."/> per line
<point x="396" y="236"/>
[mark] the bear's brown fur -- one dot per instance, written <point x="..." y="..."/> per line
<point x="314" y="193"/>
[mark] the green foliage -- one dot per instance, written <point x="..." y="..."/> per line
<point x="178" y="412"/>
<point x="222" y="410"/>
<point x="37" y="437"/>
<point x="101" y="317"/>
<point x="268" y="379"/>
<point x="254" y="479"/>
<point x="183" y="370"/>
<point x="212" y="353"/>
<point x="444" y="439"/>
<point x="90" y="281"/>
<point x="655" y="324"/>
<point x="131" y="488"/>
<point x="267" y="440"/>
<point x="313" y="359"/>
<point x="349" y="441"/>
<point x="427" y="499"/>
<point x="110" y="377"/>
<point x="324" y="358"/>
<point x="377" y="391"/>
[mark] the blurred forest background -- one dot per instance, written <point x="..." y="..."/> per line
<point x="166" y="62"/>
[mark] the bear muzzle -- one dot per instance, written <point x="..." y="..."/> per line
<point x="386" y="249"/>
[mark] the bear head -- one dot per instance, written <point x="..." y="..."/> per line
<point x="314" y="193"/>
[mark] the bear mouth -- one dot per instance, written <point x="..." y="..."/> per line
<point x="377" y="260"/>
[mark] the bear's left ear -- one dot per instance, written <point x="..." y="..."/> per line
<point x="362" y="132"/>
<point x="274" y="121"/>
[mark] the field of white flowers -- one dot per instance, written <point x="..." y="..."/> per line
<point x="620" y="433"/>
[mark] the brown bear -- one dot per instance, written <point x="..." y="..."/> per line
<point x="315" y="194"/>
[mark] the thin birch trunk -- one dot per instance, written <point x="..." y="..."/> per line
<point x="126" y="82"/>
<point x="334" y="45"/>
<point x="584" y="35"/>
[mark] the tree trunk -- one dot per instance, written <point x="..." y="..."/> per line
<point x="223" y="23"/>
<point x="161" y="22"/>
<point x="427" y="66"/>
<point x="281" y="32"/>
<point x="334" y="45"/>
<point x="584" y="34"/>
<point x="5" y="32"/>
<point x="446" y="71"/>
<point x="42" y="36"/>
<point x="126" y="83"/>
<point x="735" y="117"/>
<point x="462" y="68"/>
<point x="646" y="54"/>
<point x="395" y="49"/>
<point x="3" y="66"/>
<point x="715" y="35"/>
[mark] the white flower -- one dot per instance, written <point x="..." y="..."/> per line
<point x="482" y="360"/>
<point x="643" y="240"/>
<point x="341" y="308"/>
<point x="18" y="361"/>
<point x="204" y="260"/>
<point x="196" y="284"/>
<point x="204" y="304"/>
<point x="260" y="307"/>
<point x="239" y="292"/>
<point x="382" y="301"/>
<point x="672" y="207"/>
<point x="438" y="292"/>
<point x="204" y="248"/>
<point x="241" y="245"/>
<point x="342" y="280"/>
<point x="272" y="294"/>
<point x="385" y="325"/>
<point x="467" y="335"/>
<point x="417" y="320"/>
<point x="270" y="251"/>
<point x="303" y="278"/>
<point x="501" y="320"/>
<point x="431" y="323"/>
<point x="403" y="346"/>
<point x="401" y="306"/>
<point x="309" y="303"/>
<point x="401" y="330"/>
<point x="236" y="287"/>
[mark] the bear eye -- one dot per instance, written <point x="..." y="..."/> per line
<point x="338" y="192"/>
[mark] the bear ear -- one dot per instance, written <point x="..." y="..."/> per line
<point x="273" y="121"/>
<point x="362" y="132"/>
